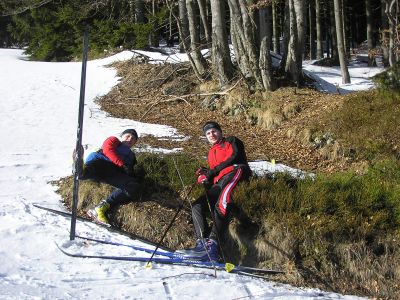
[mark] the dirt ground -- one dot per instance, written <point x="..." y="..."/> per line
<point x="171" y="95"/>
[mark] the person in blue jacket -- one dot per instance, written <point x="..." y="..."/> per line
<point x="113" y="164"/>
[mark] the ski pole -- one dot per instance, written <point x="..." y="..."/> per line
<point x="195" y="219"/>
<point x="168" y="228"/>
<point x="78" y="148"/>
<point x="213" y="218"/>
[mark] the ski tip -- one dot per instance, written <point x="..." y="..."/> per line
<point x="229" y="267"/>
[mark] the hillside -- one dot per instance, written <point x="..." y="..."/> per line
<point x="274" y="125"/>
<point x="324" y="232"/>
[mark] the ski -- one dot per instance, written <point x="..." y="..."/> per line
<point x="179" y="261"/>
<point x="169" y="254"/>
<point x="106" y="226"/>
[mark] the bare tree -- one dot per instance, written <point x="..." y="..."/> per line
<point x="333" y="28"/>
<point x="265" y="45"/>
<point x="222" y="64"/>
<point x="318" y="28"/>
<point x="204" y="19"/>
<point x="139" y="11"/>
<point x="296" y="40"/>
<point x="245" y="40"/>
<point x="195" y="45"/>
<point x="275" y="27"/>
<point x="384" y="31"/>
<point x="311" y="22"/>
<point x="286" y="36"/>
<point x="392" y="11"/>
<point x="341" y="50"/>
<point x="370" y="42"/>
<point x="184" y="25"/>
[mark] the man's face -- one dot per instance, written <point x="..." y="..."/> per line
<point x="213" y="135"/>
<point x="128" y="139"/>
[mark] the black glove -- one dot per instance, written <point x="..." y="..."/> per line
<point x="210" y="174"/>
<point x="127" y="170"/>
<point x="201" y="171"/>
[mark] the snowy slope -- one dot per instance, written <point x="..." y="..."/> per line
<point x="38" y="116"/>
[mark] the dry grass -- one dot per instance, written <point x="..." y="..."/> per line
<point x="141" y="95"/>
<point x="147" y="219"/>
<point x="269" y="119"/>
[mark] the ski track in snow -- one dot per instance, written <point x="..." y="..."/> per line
<point x="38" y="118"/>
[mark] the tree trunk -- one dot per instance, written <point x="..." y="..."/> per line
<point x="265" y="44"/>
<point x="341" y="50"/>
<point x="311" y="29"/>
<point x="296" y="41"/>
<point x="344" y="26"/>
<point x="319" y="29"/>
<point x="222" y="64"/>
<point x="204" y="20"/>
<point x="286" y="36"/>
<point x="333" y="29"/>
<point x="153" y="38"/>
<point x="243" y="28"/>
<point x="275" y="28"/>
<point x="139" y="11"/>
<point x="370" y="42"/>
<point x="198" y="59"/>
<point x="385" y="28"/>
<point x="300" y="10"/>
<point x="328" y="39"/>
<point x="391" y="11"/>
<point x="184" y="23"/>
<point x="291" y="64"/>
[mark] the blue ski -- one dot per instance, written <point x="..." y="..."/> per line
<point x="179" y="261"/>
<point x="169" y="254"/>
<point x="106" y="226"/>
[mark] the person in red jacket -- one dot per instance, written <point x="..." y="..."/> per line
<point x="227" y="166"/>
<point x="113" y="164"/>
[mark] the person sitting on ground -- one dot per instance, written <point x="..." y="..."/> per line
<point x="227" y="166"/>
<point x="113" y="164"/>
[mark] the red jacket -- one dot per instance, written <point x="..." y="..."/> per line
<point x="224" y="155"/>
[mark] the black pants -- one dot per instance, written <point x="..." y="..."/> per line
<point x="217" y="200"/>
<point x="126" y="187"/>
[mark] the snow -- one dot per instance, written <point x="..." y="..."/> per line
<point x="329" y="79"/>
<point x="38" y="121"/>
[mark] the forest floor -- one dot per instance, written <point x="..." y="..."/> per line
<point x="171" y="95"/>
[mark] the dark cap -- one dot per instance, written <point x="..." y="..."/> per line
<point x="131" y="131"/>
<point x="211" y="125"/>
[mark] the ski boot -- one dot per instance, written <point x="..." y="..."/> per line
<point x="99" y="213"/>
<point x="205" y="250"/>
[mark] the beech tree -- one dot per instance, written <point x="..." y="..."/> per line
<point x="265" y="45"/>
<point x="296" y="32"/>
<point x="183" y="25"/>
<point x="393" y="40"/>
<point x="318" y="28"/>
<point x="370" y="41"/>
<point x="222" y="64"/>
<point x="199" y="62"/>
<point x="340" y="42"/>
<point x="204" y="19"/>
<point x="275" y="27"/>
